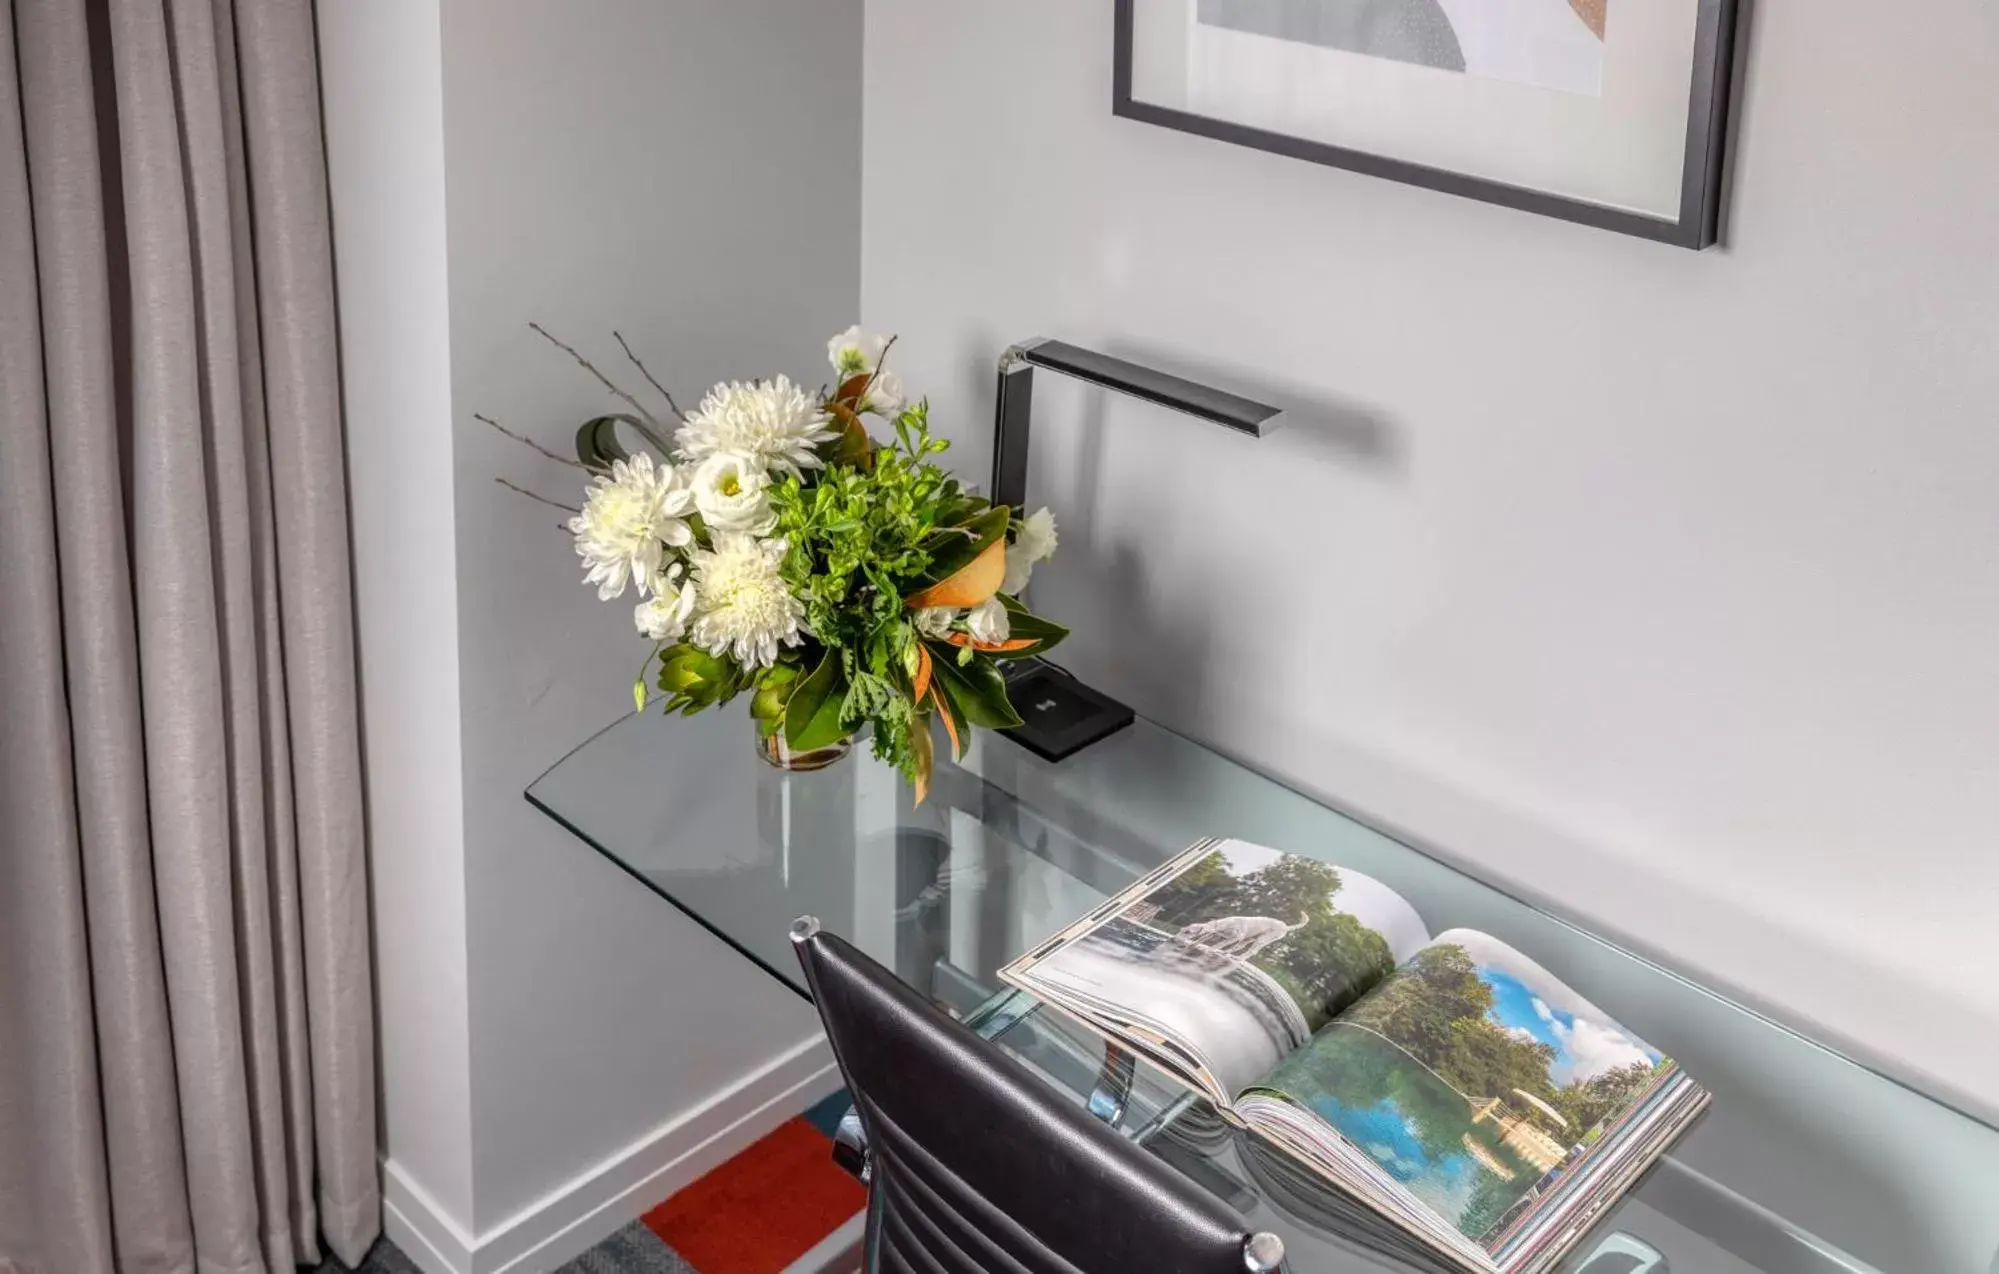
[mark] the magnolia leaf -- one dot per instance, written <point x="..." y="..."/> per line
<point x="853" y="447"/>
<point x="1024" y="625"/>
<point x="920" y="682"/>
<point x="944" y="714"/>
<point x="922" y="757"/>
<point x="854" y="386"/>
<point x="1011" y="645"/>
<point x="812" y="715"/>
<point x="597" y="444"/>
<point x="978" y="692"/>
<point x="958" y="508"/>
<point x="958" y="545"/>
<point x="970" y="585"/>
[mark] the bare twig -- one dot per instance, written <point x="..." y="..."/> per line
<point x="590" y="367"/>
<point x="553" y="504"/>
<point x="665" y="393"/>
<point x="879" y="364"/>
<point x="526" y="441"/>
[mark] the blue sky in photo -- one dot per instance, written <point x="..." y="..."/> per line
<point x="1595" y="1047"/>
<point x="1513" y="1006"/>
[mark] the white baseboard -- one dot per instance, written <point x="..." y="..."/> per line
<point x="570" y="1219"/>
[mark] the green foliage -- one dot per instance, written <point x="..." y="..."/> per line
<point x="812" y="711"/>
<point x="693" y="679"/>
<point x="1486" y="1061"/>
<point x="865" y="531"/>
<point x="1434" y="988"/>
<point x="976" y="689"/>
<point x="1602" y="1097"/>
<point x="861" y="538"/>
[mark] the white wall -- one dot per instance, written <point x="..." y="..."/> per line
<point x="688" y="174"/>
<point x="1663" y="585"/>
<point x="560" y="1049"/>
<point x="382" y="96"/>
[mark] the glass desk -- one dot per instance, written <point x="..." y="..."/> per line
<point x="1808" y="1163"/>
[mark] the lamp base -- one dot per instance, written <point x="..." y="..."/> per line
<point x="1059" y="714"/>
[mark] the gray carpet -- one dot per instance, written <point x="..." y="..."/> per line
<point x="632" y="1250"/>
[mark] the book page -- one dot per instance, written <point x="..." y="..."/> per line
<point x="1237" y="955"/>
<point x="1477" y="1083"/>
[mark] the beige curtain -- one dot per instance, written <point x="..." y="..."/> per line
<point x="186" y="1033"/>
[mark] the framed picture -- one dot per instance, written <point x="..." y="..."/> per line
<point x="1612" y="113"/>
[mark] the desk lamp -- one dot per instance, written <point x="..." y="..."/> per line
<point x="1059" y="714"/>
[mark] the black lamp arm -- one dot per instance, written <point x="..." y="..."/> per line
<point x="1015" y="407"/>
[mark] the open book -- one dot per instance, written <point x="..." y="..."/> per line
<point x="1468" y="1099"/>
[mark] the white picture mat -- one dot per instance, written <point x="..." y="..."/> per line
<point x="1624" y="148"/>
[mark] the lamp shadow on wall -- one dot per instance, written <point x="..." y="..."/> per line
<point x="1177" y="679"/>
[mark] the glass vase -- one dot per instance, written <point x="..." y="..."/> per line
<point x="780" y="755"/>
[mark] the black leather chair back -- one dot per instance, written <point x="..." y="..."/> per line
<point x="978" y="1166"/>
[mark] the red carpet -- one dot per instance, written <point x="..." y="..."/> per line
<point x="763" y="1209"/>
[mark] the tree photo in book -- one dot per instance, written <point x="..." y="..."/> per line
<point x="1249" y="952"/>
<point x="1470" y="1097"/>
<point x="1467" y="1086"/>
<point x="1320" y="958"/>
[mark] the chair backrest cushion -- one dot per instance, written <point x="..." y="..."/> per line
<point x="980" y="1166"/>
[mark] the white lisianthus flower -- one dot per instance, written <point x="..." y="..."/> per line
<point x="855" y="353"/>
<point x="632" y="516"/>
<point x="772" y="424"/>
<point x="884" y="397"/>
<point x="741" y="605"/>
<point x="1033" y="542"/>
<point x="1019" y="569"/>
<point x="733" y="494"/>
<point x="663" y="616"/>
<point x="936" y="621"/>
<point x="1036" y="537"/>
<point x="987" y="622"/>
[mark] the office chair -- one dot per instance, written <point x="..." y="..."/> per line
<point x="977" y="1165"/>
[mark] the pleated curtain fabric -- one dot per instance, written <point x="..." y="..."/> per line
<point x="186" y="1030"/>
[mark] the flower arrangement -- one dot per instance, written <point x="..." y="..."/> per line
<point x="777" y="550"/>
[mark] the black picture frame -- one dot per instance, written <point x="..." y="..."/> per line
<point x="1697" y="225"/>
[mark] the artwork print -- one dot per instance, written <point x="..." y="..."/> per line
<point x="1554" y="44"/>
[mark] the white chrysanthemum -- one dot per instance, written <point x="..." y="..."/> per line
<point x="987" y="622"/>
<point x="733" y="494"/>
<point x="632" y="516"/>
<point x="772" y="424"/>
<point x="936" y="621"/>
<point x="663" y="616"/>
<point x="854" y="352"/>
<point x="741" y="605"/>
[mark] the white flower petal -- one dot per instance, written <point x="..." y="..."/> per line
<point x="987" y="622"/>
<point x="936" y="621"/>
<point x="627" y="523"/>
<point x="774" y="425"/>
<point x="1036" y="537"/>
<point x="854" y="352"/>
<point x="733" y="494"/>
<point x="1019" y="569"/>
<point x="742" y="608"/>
